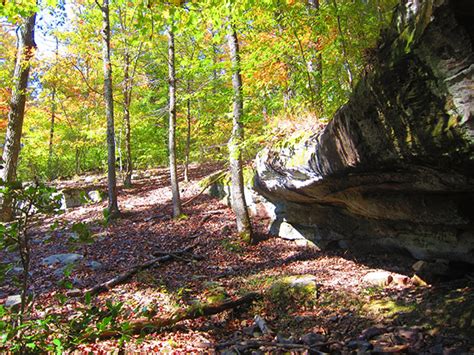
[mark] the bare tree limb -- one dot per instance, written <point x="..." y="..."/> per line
<point x="217" y="178"/>
<point x="122" y="278"/>
<point x="192" y="312"/>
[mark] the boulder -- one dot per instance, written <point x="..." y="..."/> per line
<point x="76" y="197"/>
<point x="394" y="168"/>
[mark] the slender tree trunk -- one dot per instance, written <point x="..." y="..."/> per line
<point x="53" y="115"/>
<point x="172" y="125"/>
<point x="310" y="75"/>
<point x="126" y="117"/>
<point x="51" y="132"/>
<point x="239" y="205"/>
<point x="77" y="162"/>
<point x="11" y="148"/>
<point x="343" y="46"/>
<point x="315" y="64"/>
<point x="188" y="134"/>
<point x="379" y="11"/>
<point x="109" y="110"/>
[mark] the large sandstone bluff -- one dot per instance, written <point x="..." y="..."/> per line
<point x="394" y="167"/>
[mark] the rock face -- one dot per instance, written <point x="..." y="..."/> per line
<point x="394" y="168"/>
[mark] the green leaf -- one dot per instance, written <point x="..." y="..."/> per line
<point x="87" y="298"/>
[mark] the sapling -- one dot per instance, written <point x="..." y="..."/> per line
<point x="27" y="199"/>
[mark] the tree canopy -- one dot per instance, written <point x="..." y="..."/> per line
<point x="299" y="60"/>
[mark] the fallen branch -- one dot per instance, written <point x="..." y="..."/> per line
<point x="192" y="312"/>
<point x="158" y="216"/>
<point x="203" y="220"/>
<point x="122" y="278"/>
<point x="217" y="178"/>
<point x="183" y="256"/>
<point x="252" y="344"/>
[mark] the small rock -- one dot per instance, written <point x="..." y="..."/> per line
<point x="59" y="272"/>
<point x="359" y="345"/>
<point x="89" y="179"/>
<point x="249" y="330"/>
<point x="335" y="348"/>
<point x="13" y="301"/>
<point x="408" y="334"/>
<point x="418" y="265"/>
<point x="302" y="281"/>
<point x="378" y="278"/>
<point x="372" y="332"/>
<point x="282" y="339"/>
<point x="77" y="282"/>
<point x="94" y="265"/>
<point x="395" y="349"/>
<point x="95" y="196"/>
<point x="307" y="244"/>
<point x="287" y="231"/>
<point x="17" y="271"/>
<point x="401" y="280"/>
<point x="311" y="339"/>
<point x="101" y="236"/>
<point x="63" y="259"/>
<point x="431" y="271"/>
<point x="299" y="319"/>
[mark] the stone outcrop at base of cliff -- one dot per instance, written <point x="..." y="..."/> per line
<point x="394" y="166"/>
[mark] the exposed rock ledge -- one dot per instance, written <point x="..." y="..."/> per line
<point x="394" y="166"/>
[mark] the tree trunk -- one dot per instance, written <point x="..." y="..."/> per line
<point x="109" y="111"/>
<point x="53" y="115"/>
<point x="172" y="125"/>
<point x="315" y="64"/>
<point x="127" y="91"/>
<point x="51" y="133"/>
<point x="11" y="148"/>
<point x="309" y="71"/>
<point x="188" y="135"/>
<point x="239" y="205"/>
<point x="347" y="66"/>
<point x="77" y="162"/>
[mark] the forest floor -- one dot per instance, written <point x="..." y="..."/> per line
<point x="343" y="312"/>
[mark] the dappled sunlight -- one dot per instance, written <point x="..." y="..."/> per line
<point x="349" y="293"/>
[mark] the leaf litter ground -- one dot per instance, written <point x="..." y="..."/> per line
<point x="345" y="314"/>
